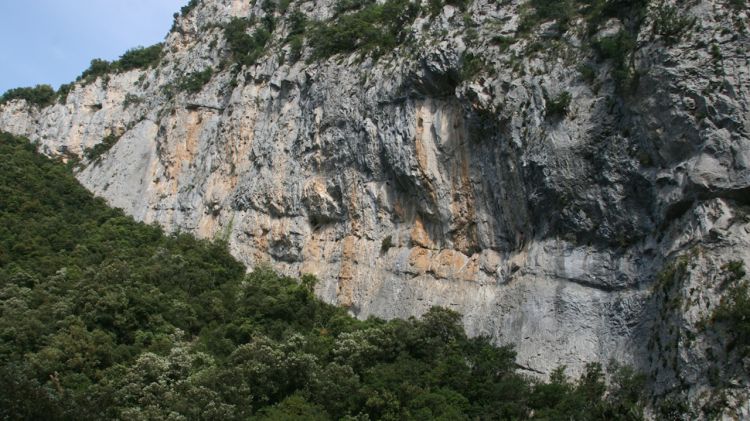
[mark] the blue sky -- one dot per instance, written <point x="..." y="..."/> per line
<point x="53" y="41"/>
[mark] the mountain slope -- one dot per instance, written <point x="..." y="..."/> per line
<point x="102" y="317"/>
<point x="533" y="165"/>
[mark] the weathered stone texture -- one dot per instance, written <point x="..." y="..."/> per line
<point x="401" y="187"/>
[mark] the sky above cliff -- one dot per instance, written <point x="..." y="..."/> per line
<point x="53" y="41"/>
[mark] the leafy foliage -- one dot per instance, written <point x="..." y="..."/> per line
<point x="561" y="11"/>
<point x="631" y="12"/>
<point x="63" y="91"/>
<point x="98" y="67"/>
<point x="460" y="4"/>
<point x="471" y="65"/>
<point x="192" y="4"/>
<point x="39" y="95"/>
<point x="105" y="318"/>
<point x="195" y="81"/>
<point x="139" y="58"/>
<point x="95" y="152"/>
<point x="386" y="244"/>
<point x="594" y="13"/>
<point x="247" y="49"/>
<point x="619" y="49"/>
<point x="131" y="99"/>
<point x="343" y="6"/>
<point x="670" y="23"/>
<point x="559" y="105"/>
<point x="372" y="28"/>
<point x="734" y="270"/>
<point x="734" y="310"/>
<point x="297" y="23"/>
<point x="135" y="58"/>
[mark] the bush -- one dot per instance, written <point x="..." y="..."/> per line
<point x="619" y="48"/>
<point x="39" y="95"/>
<point x="283" y="6"/>
<point x="559" y="105"/>
<point x="460" y="4"/>
<point x="136" y="58"/>
<point x="343" y="6"/>
<point x="588" y="72"/>
<point x="375" y="28"/>
<point x="297" y="23"/>
<point x="192" y="4"/>
<point x="553" y="9"/>
<point x="95" y="152"/>
<point x="63" y="91"/>
<point x="98" y="67"/>
<point x="296" y="44"/>
<point x="595" y="12"/>
<point x="131" y="99"/>
<point x="632" y="12"/>
<point x="738" y="4"/>
<point x="386" y="244"/>
<point x="194" y="82"/>
<point x="734" y="270"/>
<point x="471" y="65"/>
<point x="669" y="23"/>
<point x="734" y="310"/>
<point x="502" y="42"/>
<point x="561" y="11"/>
<point x="139" y="58"/>
<point x="246" y="49"/>
<point x="435" y="7"/>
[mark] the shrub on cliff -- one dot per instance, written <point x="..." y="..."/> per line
<point x="246" y="49"/>
<point x="559" y="105"/>
<point x="95" y="152"/>
<point x="670" y="23"/>
<point x="135" y="58"/>
<point x="195" y="81"/>
<point x="98" y="67"/>
<point x="373" y="28"/>
<point x="560" y="11"/>
<point x="139" y="58"/>
<point x="734" y="311"/>
<point x="192" y="4"/>
<point x="39" y="95"/>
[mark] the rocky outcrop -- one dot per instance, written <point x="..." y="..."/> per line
<point x="430" y="177"/>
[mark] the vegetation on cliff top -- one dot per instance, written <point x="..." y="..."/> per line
<point x="102" y="317"/>
<point x="39" y="95"/>
<point x="246" y="48"/>
<point x="45" y="95"/>
<point x="135" y="58"/>
<point x="371" y="28"/>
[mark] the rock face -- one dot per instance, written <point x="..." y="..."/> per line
<point x="409" y="181"/>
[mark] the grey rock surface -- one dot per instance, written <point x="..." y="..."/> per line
<point x="401" y="183"/>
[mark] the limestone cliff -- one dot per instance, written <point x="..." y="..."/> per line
<point x="542" y="176"/>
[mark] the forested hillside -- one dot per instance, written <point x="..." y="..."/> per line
<point x="102" y="317"/>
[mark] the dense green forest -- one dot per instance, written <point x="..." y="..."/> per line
<point x="102" y="317"/>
